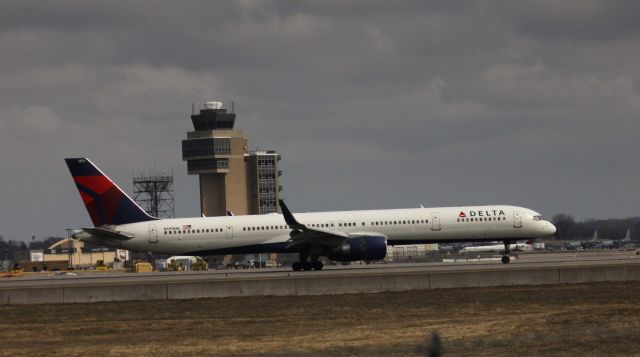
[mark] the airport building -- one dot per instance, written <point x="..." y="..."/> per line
<point x="79" y="254"/>
<point x="232" y="178"/>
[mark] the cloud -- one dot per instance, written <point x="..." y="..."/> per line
<point x="456" y="102"/>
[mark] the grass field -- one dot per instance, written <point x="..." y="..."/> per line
<point x="577" y="320"/>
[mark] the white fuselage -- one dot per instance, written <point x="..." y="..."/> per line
<point x="496" y="248"/>
<point x="270" y="233"/>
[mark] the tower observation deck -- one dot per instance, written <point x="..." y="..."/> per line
<point x="214" y="117"/>
<point x="218" y="154"/>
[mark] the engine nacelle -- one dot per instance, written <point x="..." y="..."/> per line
<point x="360" y="248"/>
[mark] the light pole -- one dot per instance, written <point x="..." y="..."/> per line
<point x="70" y="249"/>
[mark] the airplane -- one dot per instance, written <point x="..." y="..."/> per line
<point x="595" y="242"/>
<point x="497" y="248"/>
<point x="340" y="236"/>
<point x="623" y="242"/>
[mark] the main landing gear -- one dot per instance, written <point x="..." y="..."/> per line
<point x="306" y="264"/>
<point x="505" y="257"/>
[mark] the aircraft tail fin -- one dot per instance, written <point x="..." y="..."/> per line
<point x="106" y="203"/>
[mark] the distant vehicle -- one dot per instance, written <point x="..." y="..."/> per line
<point x="242" y="265"/>
<point x="341" y="236"/>
<point x="577" y="245"/>
<point x="270" y="264"/>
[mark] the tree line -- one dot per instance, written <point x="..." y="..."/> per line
<point x="614" y="228"/>
<point x="19" y="251"/>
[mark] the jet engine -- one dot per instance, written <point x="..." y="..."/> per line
<point x="360" y="248"/>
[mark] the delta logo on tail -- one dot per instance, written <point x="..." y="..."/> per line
<point x="100" y="197"/>
<point x="104" y="200"/>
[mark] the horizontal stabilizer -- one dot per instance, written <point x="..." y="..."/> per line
<point x="108" y="233"/>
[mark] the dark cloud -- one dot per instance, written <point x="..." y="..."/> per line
<point x="371" y="104"/>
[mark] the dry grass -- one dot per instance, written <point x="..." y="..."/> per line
<point x="585" y="320"/>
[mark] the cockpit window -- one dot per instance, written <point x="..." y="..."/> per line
<point x="538" y="218"/>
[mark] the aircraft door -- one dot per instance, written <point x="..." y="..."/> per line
<point x="435" y="221"/>
<point x="229" y="231"/>
<point x="517" y="220"/>
<point x="153" y="234"/>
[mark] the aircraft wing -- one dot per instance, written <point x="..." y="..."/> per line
<point x="106" y="233"/>
<point x="303" y="235"/>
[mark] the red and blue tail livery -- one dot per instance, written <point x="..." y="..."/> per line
<point x="106" y="203"/>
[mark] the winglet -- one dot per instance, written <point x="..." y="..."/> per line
<point x="288" y="217"/>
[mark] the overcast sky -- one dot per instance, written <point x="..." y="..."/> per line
<point x="372" y="104"/>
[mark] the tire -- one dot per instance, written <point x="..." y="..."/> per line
<point x="317" y="265"/>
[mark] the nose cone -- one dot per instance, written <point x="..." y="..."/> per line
<point x="550" y="228"/>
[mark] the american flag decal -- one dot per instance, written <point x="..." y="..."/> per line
<point x="186" y="227"/>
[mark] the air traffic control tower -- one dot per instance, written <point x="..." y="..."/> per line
<point x="232" y="178"/>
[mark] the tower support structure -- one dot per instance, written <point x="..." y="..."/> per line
<point x="154" y="193"/>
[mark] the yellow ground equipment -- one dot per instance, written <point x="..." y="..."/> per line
<point x="100" y="266"/>
<point x="144" y="267"/>
<point x="200" y="264"/>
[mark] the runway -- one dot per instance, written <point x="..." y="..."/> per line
<point x="522" y="261"/>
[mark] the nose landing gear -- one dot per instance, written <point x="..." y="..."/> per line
<point x="505" y="257"/>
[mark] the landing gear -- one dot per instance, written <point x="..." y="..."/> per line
<point x="317" y="265"/>
<point x="505" y="257"/>
<point x="306" y="264"/>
